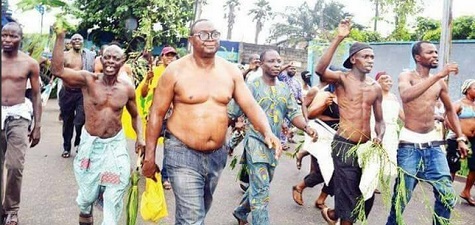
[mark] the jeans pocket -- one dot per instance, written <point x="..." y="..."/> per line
<point x="405" y="156"/>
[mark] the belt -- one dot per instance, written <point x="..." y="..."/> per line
<point x="421" y="145"/>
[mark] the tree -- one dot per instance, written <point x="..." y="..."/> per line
<point x="401" y="10"/>
<point x="424" y="26"/>
<point x="463" y="28"/>
<point x="430" y="29"/>
<point x="110" y="16"/>
<point x="260" y="13"/>
<point x="303" y="23"/>
<point x="199" y="8"/>
<point x="231" y="6"/>
<point x="299" y="24"/>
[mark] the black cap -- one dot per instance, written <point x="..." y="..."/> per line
<point x="356" y="47"/>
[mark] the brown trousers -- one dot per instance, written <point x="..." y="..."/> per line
<point x="14" y="142"/>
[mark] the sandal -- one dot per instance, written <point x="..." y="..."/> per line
<point x="469" y="200"/>
<point x="327" y="217"/>
<point x="297" y="195"/>
<point x="320" y="206"/>
<point x="86" y="219"/>
<point x="66" y="154"/>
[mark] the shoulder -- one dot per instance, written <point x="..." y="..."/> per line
<point x="406" y="75"/>
<point x="31" y="61"/>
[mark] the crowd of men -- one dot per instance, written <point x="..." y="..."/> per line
<point x="200" y="95"/>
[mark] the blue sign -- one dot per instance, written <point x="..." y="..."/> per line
<point x="40" y="9"/>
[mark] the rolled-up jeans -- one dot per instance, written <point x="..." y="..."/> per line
<point x="429" y="164"/>
<point x="194" y="176"/>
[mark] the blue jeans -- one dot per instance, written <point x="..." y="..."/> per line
<point x="164" y="171"/>
<point x="428" y="164"/>
<point x="194" y="176"/>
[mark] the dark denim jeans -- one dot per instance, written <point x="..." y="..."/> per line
<point x="429" y="164"/>
<point x="194" y="176"/>
<point x="72" y="111"/>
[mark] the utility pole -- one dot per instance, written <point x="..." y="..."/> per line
<point x="446" y="35"/>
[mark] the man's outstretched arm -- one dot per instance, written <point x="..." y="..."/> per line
<point x="321" y="69"/>
<point x="73" y="78"/>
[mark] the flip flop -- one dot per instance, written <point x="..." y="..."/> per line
<point x="327" y="217"/>
<point x="297" y="195"/>
<point x="469" y="200"/>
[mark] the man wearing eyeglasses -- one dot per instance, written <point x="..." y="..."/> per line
<point x="200" y="86"/>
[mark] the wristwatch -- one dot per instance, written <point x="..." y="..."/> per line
<point x="462" y="139"/>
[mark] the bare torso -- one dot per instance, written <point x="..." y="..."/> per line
<point x="103" y="105"/>
<point x="419" y="113"/>
<point x="355" y="101"/>
<point x="15" y="74"/>
<point x="199" y="117"/>
<point x="467" y="124"/>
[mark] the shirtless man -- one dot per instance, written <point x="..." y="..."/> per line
<point x="102" y="165"/>
<point x="356" y="94"/>
<point x="200" y="86"/>
<point x="71" y="99"/>
<point x="124" y="73"/>
<point x="419" y="154"/>
<point x="17" y="113"/>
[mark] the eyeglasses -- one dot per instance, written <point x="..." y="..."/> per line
<point x="203" y="35"/>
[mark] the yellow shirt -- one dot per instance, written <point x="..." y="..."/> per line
<point x="143" y="103"/>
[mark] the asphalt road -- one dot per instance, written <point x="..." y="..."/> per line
<point x="49" y="191"/>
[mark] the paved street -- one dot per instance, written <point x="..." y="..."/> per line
<point x="49" y="190"/>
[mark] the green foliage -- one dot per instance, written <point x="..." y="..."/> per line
<point x="423" y="25"/>
<point x="365" y="36"/>
<point x="432" y="35"/>
<point x="35" y="44"/>
<point x="110" y="15"/>
<point x="305" y="23"/>
<point x="463" y="28"/>
<point x="401" y="33"/>
<point x="61" y="18"/>
<point x="26" y="5"/>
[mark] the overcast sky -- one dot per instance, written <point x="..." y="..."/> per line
<point x="244" y="29"/>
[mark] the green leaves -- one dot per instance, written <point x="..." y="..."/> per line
<point x="110" y="15"/>
<point x="26" y="5"/>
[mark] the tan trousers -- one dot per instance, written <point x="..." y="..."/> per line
<point x="14" y="142"/>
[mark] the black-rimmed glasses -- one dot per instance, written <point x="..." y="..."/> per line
<point x="203" y="35"/>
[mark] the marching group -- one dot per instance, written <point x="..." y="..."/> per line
<point x="198" y="97"/>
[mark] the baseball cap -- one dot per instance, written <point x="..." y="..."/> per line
<point x="355" y="48"/>
<point x="167" y="50"/>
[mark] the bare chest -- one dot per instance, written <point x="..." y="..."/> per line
<point x="101" y="96"/>
<point x="73" y="61"/>
<point x="17" y="71"/>
<point x="357" y="95"/>
<point x="199" y="89"/>
<point x="431" y="94"/>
